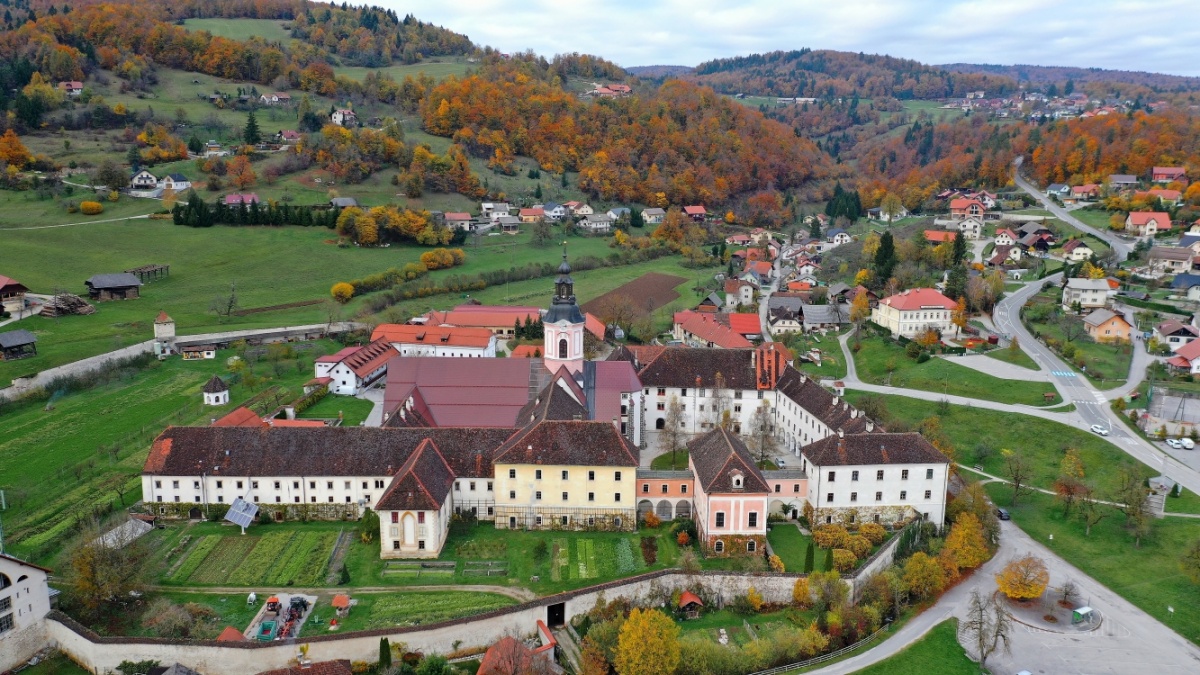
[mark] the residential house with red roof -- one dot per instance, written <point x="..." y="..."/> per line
<point x="962" y="208"/>
<point x="915" y="311"/>
<point x="353" y="369"/>
<point x="237" y="199"/>
<point x="1077" y="250"/>
<point x="1006" y="237"/>
<point x="939" y="236"/>
<point x="1175" y="334"/>
<point x="1168" y="197"/>
<point x="532" y="214"/>
<point x="1186" y="359"/>
<point x="71" y="88"/>
<point x="1168" y="174"/>
<point x="12" y="294"/>
<point x="459" y="341"/>
<point x="457" y="220"/>
<point x="1084" y="193"/>
<point x="696" y="213"/>
<point x="708" y="330"/>
<point x="738" y="292"/>
<point x="1147" y="223"/>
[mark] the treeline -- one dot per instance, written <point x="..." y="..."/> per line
<point x="826" y="74"/>
<point x="678" y="144"/>
<point x="195" y="212"/>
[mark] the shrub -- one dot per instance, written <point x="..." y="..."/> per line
<point x="650" y="550"/>
<point x="801" y="595"/>
<point x="844" y="560"/>
<point x="652" y="520"/>
<point x="874" y="532"/>
<point x="683" y="539"/>
<point x="91" y="208"/>
<point x="113" y="195"/>
<point x="830" y="536"/>
<point x="922" y="357"/>
<point x="754" y="599"/>
<point x="776" y="564"/>
<point x="342" y="292"/>
<point x="912" y="350"/>
<point x="859" y="545"/>
<point x="540" y="550"/>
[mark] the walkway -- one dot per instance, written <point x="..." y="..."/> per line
<point x="85" y="222"/>
<point x="518" y="594"/>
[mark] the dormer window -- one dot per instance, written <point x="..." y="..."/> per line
<point x="737" y="481"/>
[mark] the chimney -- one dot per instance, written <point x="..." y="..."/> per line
<point x="870" y="426"/>
<point x="835" y="401"/>
<point x="616" y="424"/>
<point x="840" y="433"/>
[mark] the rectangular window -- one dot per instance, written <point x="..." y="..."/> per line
<point x="661" y="406"/>
<point x="737" y="408"/>
<point x="196" y="500"/>
<point x="395" y="516"/>
<point x="720" y="519"/>
<point x="5" y="604"/>
<point x="421" y="517"/>
<point x="903" y="495"/>
<point x="853" y="496"/>
<point x="853" y="475"/>
<point x="617" y="476"/>
<point x="832" y="476"/>
<point x="221" y="499"/>
<point x="829" y="497"/>
<point x="239" y="485"/>
<point x="928" y="474"/>
<point x="662" y="391"/>
<point x="538" y="495"/>
<point x="777" y="487"/>
<point x="879" y="475"/>
<point x="796" y="488"/>
<point x="489" y="486"/>
<point x="364" y="485"/>
<point x="512" y="473"/>
<point x="591" y="496"/>
<point x="296" y="499"/>
<point x="683" y="392"/>
<point x="512" y="494"/>
<point x="395" y="545"/>
<point x="537" y="474"/>
<point x="458" y="486"/>
<point x="565" y="497"/>
<point x="928" y="494"/>
<point x="645" y="488"/>
<point x="379" y="484"/>
<point x="564" y="475"/>
<point x="278" y="499"/>
<point x="328" y="485"/>
<point x="664" y="488"/>
<point x="617" y="497"/>
<point x="683" y="489"/>
<point x="591" y="475"/>
<point x="347" y="499"/>
<point x="312" y="485"/>
<point x="347" y="484"/>
<point x="904" y="474"/>
<point x="196" y="484"/>
<point x="295" y="485"/>
<point x="753" y="519"/>
<point x="312" y="499"/>
<point x="158" y="484"/>
<point x="277" y="485"/>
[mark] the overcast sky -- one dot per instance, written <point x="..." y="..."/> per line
<point x="1160" y="36"/>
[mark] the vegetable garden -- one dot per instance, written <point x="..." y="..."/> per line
<point x="295" y="558"/>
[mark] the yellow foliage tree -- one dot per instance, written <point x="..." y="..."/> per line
<point x="1025" y="578"/>
<point x="648" y="644"/>
<point x="830" y="536"/>
<point x="860" y="308"/>
<point x="1091" y="271"/>
<point x="874" y="532"/>
<point x="923" y="575"/>
<point x="12" y="151"/>
<point x="801" y="595"/>
<point x="862" y="278"/>
<point x="775" y="564"/>
<point x="342" y="292"/>
<point x="754" y="599"/>
<point x="844" y="560"/>
<point x="966" y="542"/>
<point x="959" y="316"/>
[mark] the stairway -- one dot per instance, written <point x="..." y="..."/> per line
<point x="568" y="649"/>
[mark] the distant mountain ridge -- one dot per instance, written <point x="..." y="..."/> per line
<point x="1060" y="74"/>
<point x="660" y="71"/>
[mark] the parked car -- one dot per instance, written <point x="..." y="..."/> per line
<point x="1002" y="514"/>
<point x="1174" y="443"/>
<point x="1100" y="429"/>
<point x="1187" y="443"/>
<point x="781" y="462"/>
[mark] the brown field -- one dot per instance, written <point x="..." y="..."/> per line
<point x="645" y="293"/>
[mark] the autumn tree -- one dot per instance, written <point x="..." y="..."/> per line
<point x="924" y="576"/>
<point x="103" y="578"/>
<point x="802" y="596"/>
<point x="1069" y="483"/>
<point x="673" y="427"/>
<point x="342" y="292"/>
<point x="966" y="542"/>
<point x="1019" y="471"/>
<point x="986" y="627"/>
<point x="1024" y="578"/>
<point x="860" y="308"/>
<point x="1133" y="498"/>
<point x="648" y="644"/>
<point x="891" y="206"/>
<point x="1091" y="511"/>
<point x="672" y="229"/>
<point x="241" y="173"/>
<point x="959" y="315"/>
<point x="828" y="591"/>
<point x="1189" y="563"/>
<point x="763" y="429"/>
<point x="13" y="151"/>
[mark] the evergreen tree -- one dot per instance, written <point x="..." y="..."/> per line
<point x="133" y="157"/>
<point x="385" y="654"/>
<point x="959" y="252"/>
<point x="564" y="179"/>
<point x="828" y="566"/>
<point x="537" y="192"/>
<point x="251" y="135"/>
<point x="195" y="146"/>
<point x="636" y="219"/>
<point x="809" y="558"/>
<point x="885" y="258"/>
<point x="956" y="282"/>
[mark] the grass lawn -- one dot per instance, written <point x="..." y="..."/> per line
<point x="438" y="67"/>
<point x="25" y="210"/>
<point x="710" y="624"/>
<point x="937" y="652"/>
<point x="663" y="462"/>
<point x="833" y="363"/>
<point x="939" y="375"/>
<point x="971" y="430"/>
<point x="1107" y="365"/>
<point x="790" y="545"/>
<point x="353" y="410"/>
<point x="1016" y="358"/>
<point x="57" y="664"/>
<point x="1097" y="218"/>
<point x="381" y="610"/>
<point x="41" y="449"/>
<point x="571" y="560"/>
<point x="243" y="29"/>
<point x="1148" y="577"/>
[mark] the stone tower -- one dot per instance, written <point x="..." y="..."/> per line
<point x="164" y="336"/>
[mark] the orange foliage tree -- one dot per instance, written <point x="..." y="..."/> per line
<point x="1024" y="578"/>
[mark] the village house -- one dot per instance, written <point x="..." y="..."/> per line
<point x="708" y="330"/>
<point x="554" y="212"/>
<point x="971" y="228"/>
<point x="457" y="221"/>
<point x="1121" y="181"/>
<point x="875" y="477"/>
<point x="1168" y="174"/>
<point x="175" y="182"/>
<point x="245" y="199"/>
<point x="785" y="312"/>
<point x="115" y="286"/>
<point x="738" y="292"/>
<point x="1003" y="255"/>
<point x="275" y="98"/>
<point x="344" y="118"/>
<point x="343" y="202"/>
<point x="1006" y="237"/>
<point x="1076" y="250"/>
<point x="1086" y="293"/>
<point x="653" y="216"/>
<point x="1085" y="193"/>
<point x="731" y="494"/>
<point x="353" y="369"/>
<point x="915" y="311"/>
<point x="500" y="319"/>
<point x="214" y="149"/>
<point x="459" y="341"/>
<point x="1059" y="190"/>
<point x="25" y="599"/>
<point x="287" y="136"/>
<point x="878" y="214"/>
<point x="837" y="237"/>
<point x="939" y="236"/>
<point x="579" y="209"/>
<point x="962" y="208"/>
<point x="72" y="88"/>
<point x="493" y="210"/>
<point x="597" y="223"/>
<point x="12" y="294"/>
<point x="1147" y="223"/>
<point x="143" y="180"/>
<point x="831" y="316"/>
<point x="617" y="212"/>
<point x="1186" y="359"/>
<point x="1175" y="334"/>
<point x="531" y="215"/>
<point x="696" y="213"/>
<point x="198" y="352"/>
<point x="1170" y="259"/>
<point x="1104" y="325"/>
<point x="758" y="273"/>
<point x="1187" y="284"/>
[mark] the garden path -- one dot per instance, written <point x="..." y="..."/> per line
<point x="516" y="593"/>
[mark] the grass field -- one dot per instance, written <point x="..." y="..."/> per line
<point x="353" y="410"/>
<point x="937" y="652"/>
<point x="833" y="363"/>
<point x="436" y="67"/>
<point x="242" y="29"/>
<point x="571" y="559"/>
<point x="1016" y="358"/>
<point x="978" y="435"/>
<point x="791" y="546"/>
<point x="1148" y="577"/>
<point x="663" y="462"/>
<point x="41" y="449"/>
<point x="57" y="664"/>
<point x="939" y="375"/>
<point x="380" y="610"/>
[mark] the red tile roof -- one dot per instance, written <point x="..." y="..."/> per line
<point x="1189" y="352"/>
<point x="451" y="336"/>
<point x="745" y="324"/>
<point x="340" y="667"/>
<point x="241" y="417"/>
<point x="568" y="443"/>
<point x="594" y="325"/>
<point x="423" y="483"/>
<point x="484" y="316"/>
<point x="463" y="392"/>
<point x="370" y="358"/>
<point x="964" y="204"/>
<point x="338" y="356"/>
<point x="695" y="210"/>
<point x="918" y="298"/>
<point x="340" y="601"/>
<point x="689" y="598"/>
<point x="526" y="351"/>
<point x="534" y="212"/>
<point x="763" y="268"/>
<point x="1140" y="218"/>
<point x="231" y="634"/>
<point x="458" y="216"/>
<point x="735" y="285"/>
<point x="161" y="318"/>
<point x="940" y="235"/>
<point x="708" y="328"/>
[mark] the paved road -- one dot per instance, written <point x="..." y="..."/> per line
<point x="1120" y="246"/>
<point x="1127" y="641"/>
<point x="765" y="296"/>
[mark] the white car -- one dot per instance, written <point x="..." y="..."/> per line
<point x="1100" y="429"/>
<point x="1174" y="443"/>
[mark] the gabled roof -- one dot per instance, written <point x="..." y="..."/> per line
<point x="1102" y="316"/>
<point x="12" y="284"/>
<point x="745" y="324"/>
<point x="1122" y="178"/>
<point x="962" y="204"/>
<point x="455" y="216"/>
<point x="1174" y="327"/>
<point x="422" y="484"/>
<point x="1185" y="281"/>
<point x="114" y="280"/>
<point x="562" y="399"/>
<point x="1088" y="284"/>
<point x="869" y="449"/>
<point x="653" y="212"/>
<point x="1170" y="253"/>
<point x="918" y="298"/>
<point x="568" y="443"/>
<point x="370" y="358"/>
<point x="449" y="336"/>
<point x="461" y="392"/>
<point x="1074" y="244"/>
<point x="1190" y="351"/>
<point x="485" y="316"/>
<point x="940" y="235"/>
<point x="25" y="564"/>
<point x="719" y="456"/>
<point x="1140" y="218"/>
<point x="241" y="416"/>
<point x="824" y="314"/>
<point x="16" y="338"/>
<point x="695" y="210"/>
<point x="706" y="326"/>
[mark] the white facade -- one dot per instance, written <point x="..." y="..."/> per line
<point x="912" y="319"/>
<point x="218" y="489"/>
<point x="563" y="346"/>
<point x="343" y="117"/>
<point x="414" y="534"/>
<point x="877" y="487"/>
<point x="348" y="383"/>
<point x="216" y="398"/>
<point x="24" y="602"/>
<point x="427" y="349"/>
<point x="169" y="183"/>
<point x="1089" y="293"/>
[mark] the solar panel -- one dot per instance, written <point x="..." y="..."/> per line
<point x="241" y="512"/>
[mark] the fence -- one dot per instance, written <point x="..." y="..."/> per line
<point x="824" y="657"/>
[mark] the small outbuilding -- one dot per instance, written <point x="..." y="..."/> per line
<point x="116" y="286"/>
<point x="341" y="603"/>
<point x="216" y="392"/>
<point x="17" y="344"/>
<point x="690" y="604"/>
<point x="197" y="352"/>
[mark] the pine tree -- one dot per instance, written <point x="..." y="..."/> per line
<point x="195" y="146"/>
<point x="809" y="559"/>
<point x="251" y="135"/>
<point x="959" y="252"/>
<point x="537" y="192"/>
<point x="385" y="654"/>
<point x="885" y="257"/>
<point x="828" y="566"/>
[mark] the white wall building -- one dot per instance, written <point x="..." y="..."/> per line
<point x="24" y="602"/>
<point x="1089" y="293"/>
<point x="426" y="340"/>
<point x="915" y="311"/>
<point x="355" y="368"/>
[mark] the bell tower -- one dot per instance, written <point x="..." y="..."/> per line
<point x="563" y="324"/>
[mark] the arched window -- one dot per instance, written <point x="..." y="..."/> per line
<point x="750" y="546"/>
<point x="5" y="582"/>
<point x="719" y="547"/>
<point x="562" y="348"/>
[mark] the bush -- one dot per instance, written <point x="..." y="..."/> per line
<point x="91" y="208"/>
<point x="650" y="550"/>
<point x="912" y="350"/>
<point x="859" y="545"/>
<point x="342" y="292"/>
<point x="652" y="520"/>
<point x="683" y="539"/>
<point x="844" y="560"/>
<point x="540" y="550"/>
<point x="775" y="563"/>
<point x="922" y="357"/>
<point x="830" y="536"/>
<point x="874" y="532"/>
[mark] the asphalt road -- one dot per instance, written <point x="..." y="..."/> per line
<point x="1119" y="245"/>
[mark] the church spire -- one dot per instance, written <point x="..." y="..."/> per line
<point x="564" y="286"/>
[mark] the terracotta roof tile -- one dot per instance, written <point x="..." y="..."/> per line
<point x="868" y="449"/>
<point x="557" y="442"/>
<point x="719" y="456"/>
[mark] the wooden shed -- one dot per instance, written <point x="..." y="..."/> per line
<point x="117" y="286"/>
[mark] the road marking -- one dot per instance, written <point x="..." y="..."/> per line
<point x="1063" y="373"/>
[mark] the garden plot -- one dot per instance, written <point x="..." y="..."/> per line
<point x="417" y="569"/>
<point x="286" y="558"/>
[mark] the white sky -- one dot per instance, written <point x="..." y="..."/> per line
<point x="1158" y="36"/>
